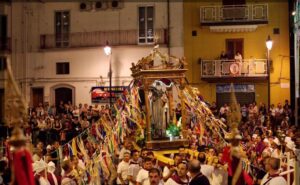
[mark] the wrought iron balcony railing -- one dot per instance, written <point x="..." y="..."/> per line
<point x="234" y="14"/>
<point x="232" y="68"/>
<point x="97" y="38"/>
<point x="5" y="45"/>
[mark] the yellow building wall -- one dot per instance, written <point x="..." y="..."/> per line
<point x="208" y="45"/>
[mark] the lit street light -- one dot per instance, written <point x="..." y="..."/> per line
<point x="269" y="44"/>
<point x="107" y="51"/>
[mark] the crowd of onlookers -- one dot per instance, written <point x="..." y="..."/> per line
<point x="62" y="123"/>
<point x="267" y="141"/>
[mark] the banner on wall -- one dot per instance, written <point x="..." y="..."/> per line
<point x="100" y="94"/>
<point x="225" y="88"/>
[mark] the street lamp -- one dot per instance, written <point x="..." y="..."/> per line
<point x="107" y="51"/>
<point x="269" y="44"/>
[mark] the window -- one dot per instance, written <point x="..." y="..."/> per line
<point x="62" y="28"/>
<point x="234" y="2"/>
<point x="62" y="68"/>
<point x="146" y="25"/>
<point x="3" y="33"/>
<point x="234" y="9"/>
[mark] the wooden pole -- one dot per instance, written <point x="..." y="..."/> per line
<point x="148" y="122"/>
<point x="183" y="115"/>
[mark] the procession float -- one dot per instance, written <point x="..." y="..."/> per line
<point x="161" y="111"/>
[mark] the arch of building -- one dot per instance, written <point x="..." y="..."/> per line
<point x="59" y="86"/>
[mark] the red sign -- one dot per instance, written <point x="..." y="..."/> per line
<point x="102" y="94"/>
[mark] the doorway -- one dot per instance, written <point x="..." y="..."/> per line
<point x="233" y="46"/>
<point x="37" y="95"/>
<point x="63" y="94"/>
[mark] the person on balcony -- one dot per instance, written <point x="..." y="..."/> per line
<point x="223" y="56"/>
<point x="238" y="59"/>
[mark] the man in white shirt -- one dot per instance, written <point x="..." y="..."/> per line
<point x="268" y="150"/>
<point x="40" y="172"/>
<point x="68" y="177"/>
<point x="278" y="109"/>
<point x="290" y="149"/>
<point x="155" y="177"/>
<point x="273" y="177"/>
<point x="180" y="177"/>
<point x="122" y="170"/>
<point x="51" y="169"/>
<point x="168" y="171"/>
<point x="134" y="167"/>
<point x="143" y="175"/>
<point x="206" y="169"/>
<point x="127" y="147"/>
<point x="276" y="152"/>
<point x="222" y="110"/>
<point x="238" y="57"/>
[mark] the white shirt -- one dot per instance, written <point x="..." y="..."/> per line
<point x="43" y="181"/>
<point x="143" y="177"/>
<point x="272" y="111"/>
<point x="268" y="150"/>
<point x="207" y="170"/>
<point x="123" y="170"/>
<point x="238" y="57"/>
<point x="161" y="182"/>
<point x="279" y="180"/>
<point x="133" y="171"/>
<point x="219" y="177"/>
<point x="276" y="153"/>
<point x="170" y="181"/>
<point x="166" y="171"/>
<point x="278" y="110"/>
<point x="68" y="181"/>
<point x="121" y="154"/>
<point x="291" y="162"/>
<point x="222" y="110"/>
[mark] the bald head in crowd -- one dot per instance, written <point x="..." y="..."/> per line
<point x="274" y="163"/>
<point x="194" y="166"/>
<point x="194" y="169"/>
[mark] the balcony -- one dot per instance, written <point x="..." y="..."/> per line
<point x="230" y="70"/>
<point x="97" y="38"/>
<point x="248" y="14"/>
<point x="5" y="45"/>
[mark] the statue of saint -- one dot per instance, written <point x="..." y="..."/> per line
<point x="159" y="110"/>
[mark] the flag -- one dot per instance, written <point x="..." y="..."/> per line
<point x="70" y="150"/>
<point x="247" y="178"/>
<point x="74" y="146"/>
<point x="15" y="113"/>
<point x="60" y="152"/>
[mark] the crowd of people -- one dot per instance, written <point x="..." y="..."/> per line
<point x="62" y="123"/>
<point x="267" y="142"/>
